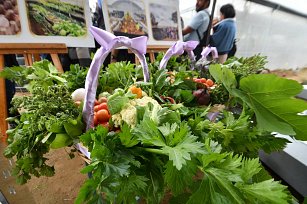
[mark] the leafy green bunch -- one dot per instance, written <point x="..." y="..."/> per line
<point x="180" y="156"/>
<point x="161" y="158"/>
<point x="36" y="129"/>
<point x="175" y="63"/>
<point x="42" y="74"/>
<point x="243" y="67"/>
<point x="47" y="118"/>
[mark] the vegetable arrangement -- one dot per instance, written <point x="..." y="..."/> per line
<point x="162" y="141"/>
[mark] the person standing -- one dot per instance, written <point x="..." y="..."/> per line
<point x="224" y="32"/>
<point x="197" y="28"/>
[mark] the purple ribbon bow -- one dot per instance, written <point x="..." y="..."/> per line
<point x="108" y="42"/>
<point x="207" y="50"/>
<point x="178" y="49"/>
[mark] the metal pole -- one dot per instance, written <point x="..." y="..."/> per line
<point x="210" y="23"/>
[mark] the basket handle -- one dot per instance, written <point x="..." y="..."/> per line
<point x="178" y="49"/>
<point x="207" y="50"/>
<point x="108" y="42"/>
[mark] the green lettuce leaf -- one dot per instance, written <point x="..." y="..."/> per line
<point x="116" y="102"/>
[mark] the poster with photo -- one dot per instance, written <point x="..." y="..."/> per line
<point x="46" y="21"/>
<point x="164" y="22"/>
<point x="9" y="17"/>
<point x="127" y="17"/>
<point x="157" y="19"/>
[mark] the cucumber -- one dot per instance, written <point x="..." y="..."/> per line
<point x="60" y="140"/>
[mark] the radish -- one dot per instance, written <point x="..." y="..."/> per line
<point x="78" y="95"/>
<point x="202" y="96"/>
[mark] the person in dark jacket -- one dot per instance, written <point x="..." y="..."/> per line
<point x="10" y="61"/>
<point x="224" y="32"/>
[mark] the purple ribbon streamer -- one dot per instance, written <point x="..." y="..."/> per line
<point x="212" y="116"/>
<point x="108" y="42"/>
<point x="178" y="49"/>
<point x="207" y="50"/>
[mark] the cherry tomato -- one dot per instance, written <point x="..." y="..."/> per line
<point x="203" y="80"/>
<point x="103" y="115"/>
<point x="103" y="106"/>
<point x="96" y="108"/>
<point x="209" y="82"/>
<point x="198" y="80"/>
<point x="102" y="99"/>
<point x="95" y="120"/>
<point x="96" y="102"/>
<point x="137" y="91"/>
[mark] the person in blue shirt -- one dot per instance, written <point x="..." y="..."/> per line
<point x="224" y="32"/>
<point x="196" y="29"/>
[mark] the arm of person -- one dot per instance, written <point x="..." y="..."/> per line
<point x="215" y="21"/>
<point x="187" y="30"/>
<point x="196" y="21"/>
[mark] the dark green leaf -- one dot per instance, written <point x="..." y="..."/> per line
<point x="272" y="99"/>
<point x="160" y="79"/>
<point x="86" y="192"/>
<point x="131" y="187"/>
<point x="179" y="180"/>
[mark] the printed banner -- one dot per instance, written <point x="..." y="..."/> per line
<point x="157" y="19"/>
<point x="46" y="21"/>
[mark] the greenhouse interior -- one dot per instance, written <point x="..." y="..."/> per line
<point x="153" y="101"/>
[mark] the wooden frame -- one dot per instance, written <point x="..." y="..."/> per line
<point x="151" y="50"/>
<point x="31" y="53"/>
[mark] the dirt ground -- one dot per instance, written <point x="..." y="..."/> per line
<point x="64" y="186"/>
<point x="59" y="189"/>
<point x="298" y="75"/>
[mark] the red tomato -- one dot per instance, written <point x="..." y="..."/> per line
<point x="210" y="82"/>
<point x="96" y="108"/>
<point x="203" y="80"/>
<point x="103" y="106"/>
<point x="96" y="102"/>
<point x="95" y="120"/>
<point x="198" y="80"/>
<point x="103" y="115"/>
<point x="102" y="99"/>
